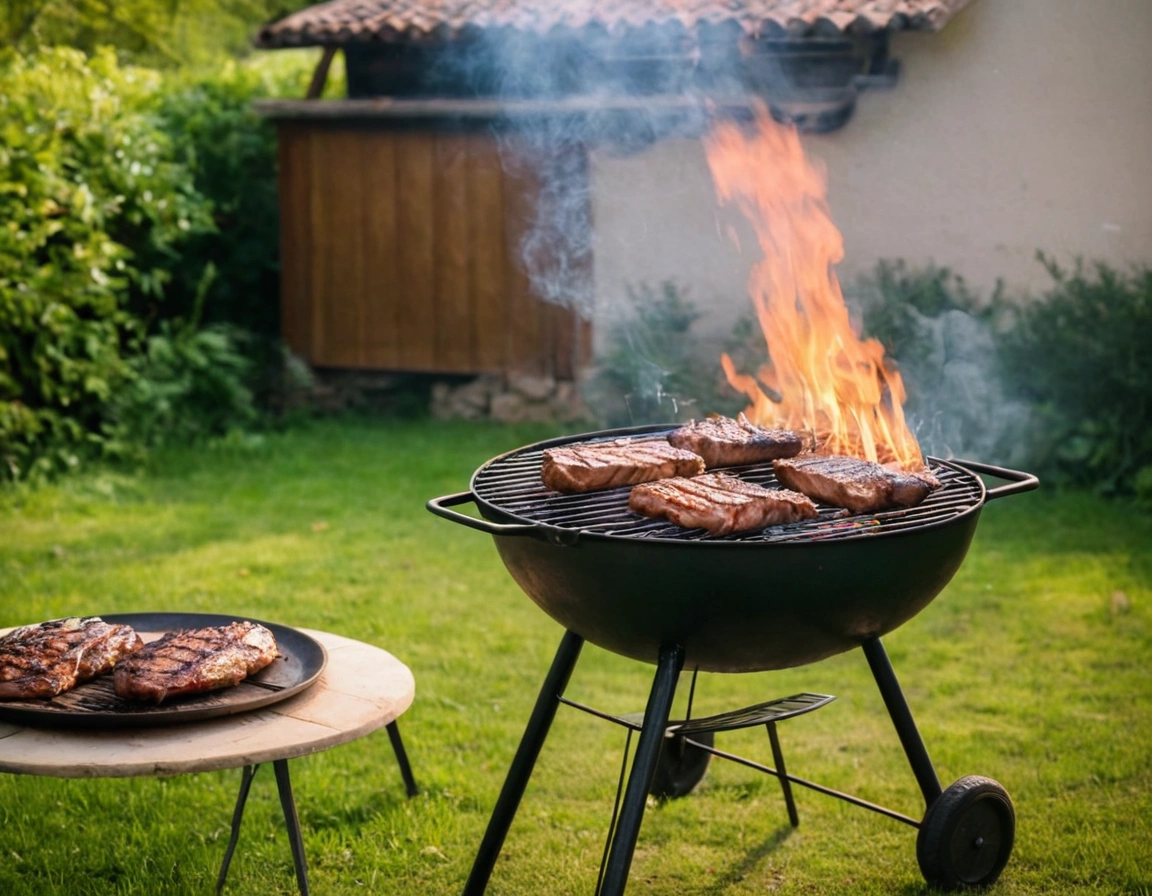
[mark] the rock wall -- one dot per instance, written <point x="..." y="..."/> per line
<point x="515" y="398"/>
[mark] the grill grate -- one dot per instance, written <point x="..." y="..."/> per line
<point x="511" y="484"/>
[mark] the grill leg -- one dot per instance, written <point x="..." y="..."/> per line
<point x="901" y="715"/>
<point x="524" y="761"/>
<point x="785" y="784"/>
<point x="643" y="769"/>
<point x="402" y="759"/>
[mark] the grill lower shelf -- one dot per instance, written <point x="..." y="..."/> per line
<point x="750" y="716"/>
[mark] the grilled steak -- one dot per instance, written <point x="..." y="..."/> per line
<point x="49" y="658"/>
<point x="859" y="485"/>
<point x="724" y="442"/>
<point x="585" y="468"/>
<point x="195" y="661"/>
<point x="720" y="503"/>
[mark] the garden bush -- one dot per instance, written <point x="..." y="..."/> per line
<point x="188" y="384"/>
<point x="92" y="203"/>
<point x="1058" y="384"/>
<point x="138" y="254"/>
<point x="650" y="370"/>
<point x="1079" y="355"/>
<point x="230" y="151"/>
<point x="942" y="337"/>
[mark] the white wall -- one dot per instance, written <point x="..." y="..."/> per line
<point x="1023" y="125"/>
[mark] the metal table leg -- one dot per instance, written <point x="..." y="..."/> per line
<point x="524" y="761"/>
<point x="291" y="821"/>
<point x="237" y="816"/>
<point x="402" y="758"/>
<point x="643" y="769"/>
<point x="295" y="838"/>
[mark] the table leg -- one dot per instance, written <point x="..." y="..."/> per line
<point x="402" y="759"/>
<point x="237" y="815"/>
<point x="292" y="820"/>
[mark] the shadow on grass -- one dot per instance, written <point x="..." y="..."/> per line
<point x="359" y="815"/>
<point x="740" y="870"/>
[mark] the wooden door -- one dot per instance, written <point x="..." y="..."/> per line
<point x="401" y="251"/>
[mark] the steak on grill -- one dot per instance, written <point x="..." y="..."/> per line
<point x="585" y="468"/>
<point x="859" y="485"/>
<point x="720" y="503"/>
<point x="49" y="658"/>
<point x="194" y="661"/>
<point x="724" y="442"/>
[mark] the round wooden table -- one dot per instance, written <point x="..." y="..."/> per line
<point x="361" y="689"/>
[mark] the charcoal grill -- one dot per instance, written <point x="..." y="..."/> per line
<point x="772" y="599"/>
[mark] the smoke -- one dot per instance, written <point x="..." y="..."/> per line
<point x="561" y="98"/>
<point x="959" y="405"/>
<point x="962" y="406"/>
<point x="565" y="96"/>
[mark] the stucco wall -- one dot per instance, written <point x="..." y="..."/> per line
<point x="1023" y="125"/>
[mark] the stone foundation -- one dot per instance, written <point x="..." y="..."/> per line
<point x="510" y="398"/>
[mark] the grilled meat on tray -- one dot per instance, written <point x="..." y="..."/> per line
<point x="195" y="661"/>
<point x="859" y="485"/>
<point x="724" y="442"/>
<point x="720" y="503"/>
<point x="596" y="465"/>
<point x="49" y="658"/>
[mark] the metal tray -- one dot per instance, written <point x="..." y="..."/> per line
<point x="94" y="704"/>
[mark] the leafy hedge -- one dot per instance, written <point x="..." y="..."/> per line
<point x="1079" y="356"/>
<point x="92" y="200"/>
<point x="230" y="152"/>
<point x="138" y="253"/>
<point x="651" y="369"/>
<point x="1060" y="383"/>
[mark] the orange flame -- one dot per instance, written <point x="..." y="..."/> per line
<point x="822" y="376"/>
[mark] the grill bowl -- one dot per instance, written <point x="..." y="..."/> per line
<point x="786" y="597"/>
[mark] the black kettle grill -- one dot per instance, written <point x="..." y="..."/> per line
<point x="771" y="599"/>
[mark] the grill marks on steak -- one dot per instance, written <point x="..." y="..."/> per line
<point x="724" y="442"/>
<point x="859" y="485"/>
<point x="195" y="661"/>
<point x="49" y="658"/>
<point x="721" y="504"/>
<point x="598" y="465"/>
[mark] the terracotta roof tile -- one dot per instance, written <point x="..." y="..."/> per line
<point x="346" y="21"/>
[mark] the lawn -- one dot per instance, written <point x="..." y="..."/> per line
<point x="1032" y="668"/>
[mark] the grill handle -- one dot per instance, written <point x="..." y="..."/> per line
<point x="1018" y="481"/>
<point x="553" y="534"/>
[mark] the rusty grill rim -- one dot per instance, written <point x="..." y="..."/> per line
<point x="964" y="485"/>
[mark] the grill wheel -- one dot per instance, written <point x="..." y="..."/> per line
<point x="967" y="834"/>
<point x="681" y="765"/>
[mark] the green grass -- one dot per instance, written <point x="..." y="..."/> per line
<point x="1027" y="669"/>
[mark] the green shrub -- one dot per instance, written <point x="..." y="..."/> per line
<point x="1080" y="355"/>
<point x="177" y="32"/>
<point x="942" y="337"/>
<point x="896" y="299"/>
<point x="188" y="384"/>
<point x="120" y="189"/>
<point x="651" y="370"/>
<point x="231" y="152"/>
<point x="91" y="204"/>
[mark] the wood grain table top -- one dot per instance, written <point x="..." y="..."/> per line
<point x="362" y="688"/>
